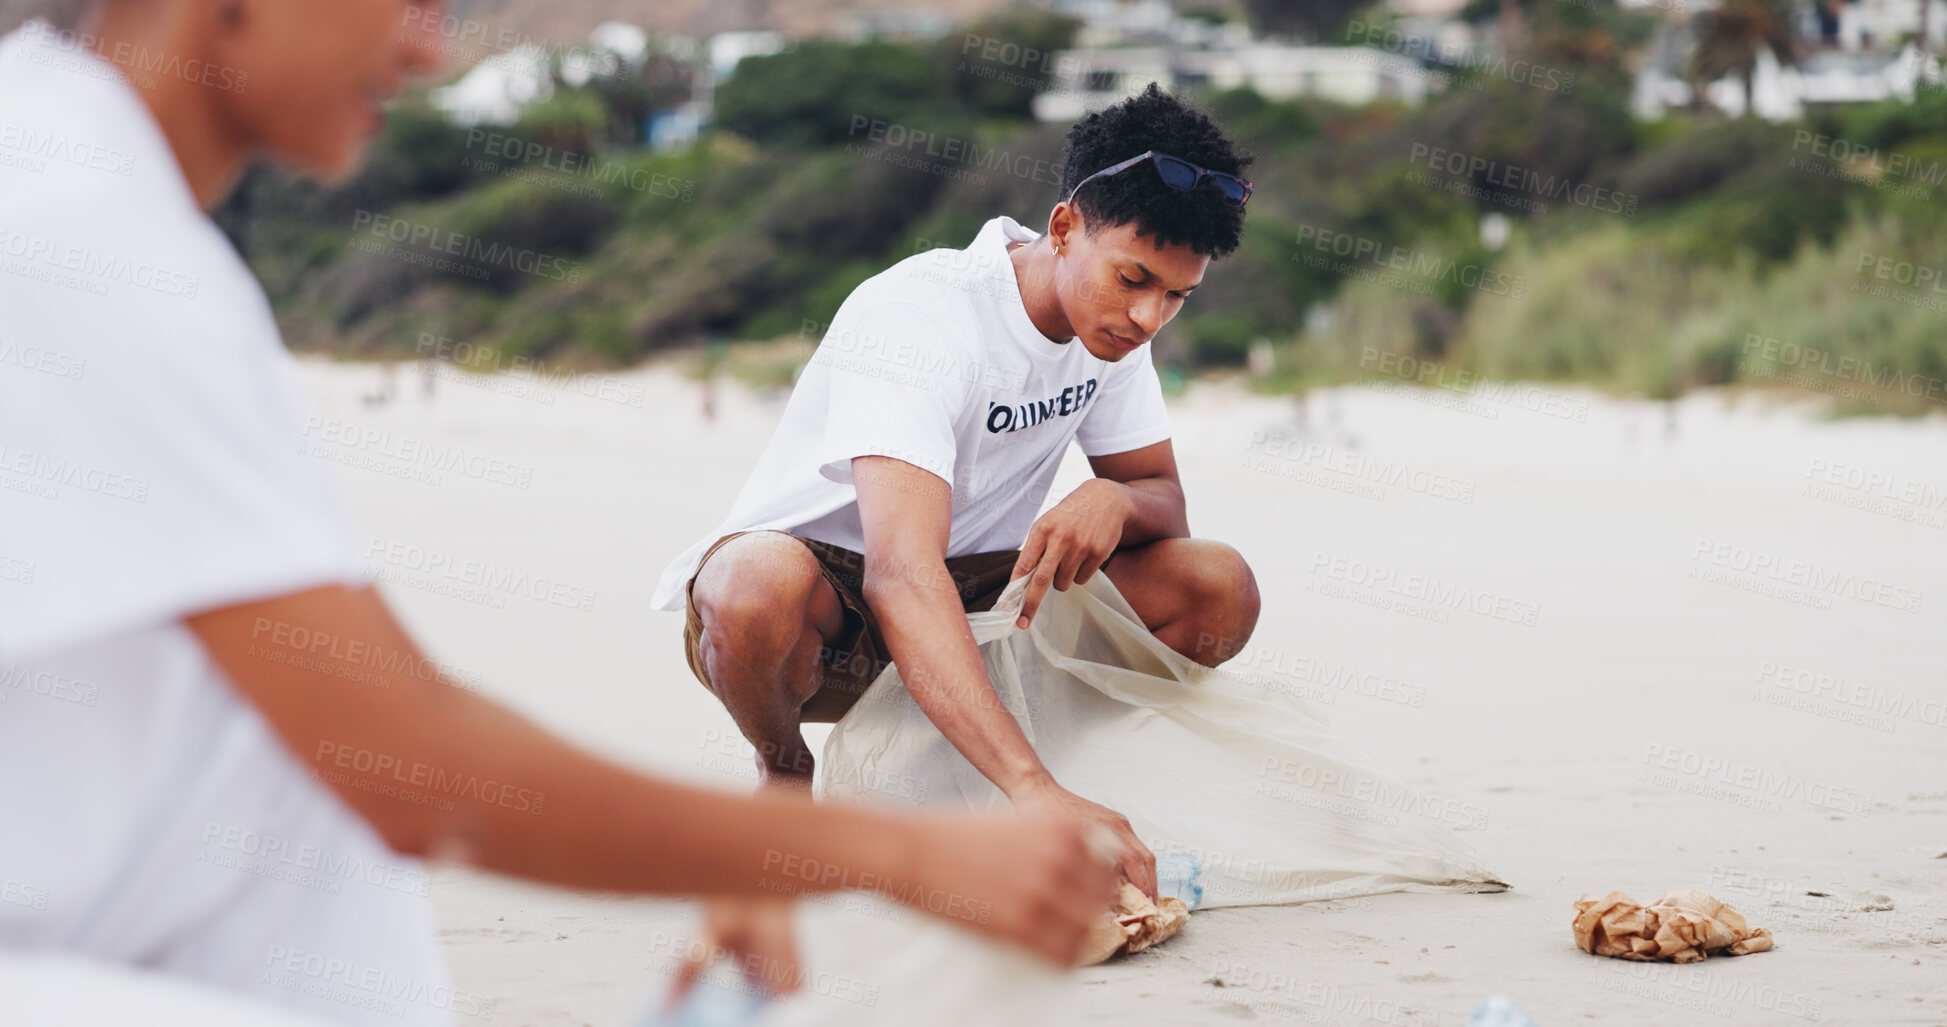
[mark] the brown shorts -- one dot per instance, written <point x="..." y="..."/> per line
<point x="855" y="657"/>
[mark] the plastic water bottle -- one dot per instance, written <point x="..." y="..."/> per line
<point x="717" y="1000"/>
<point x="1179" y="874"/>
<point x="1500" y="1011"/>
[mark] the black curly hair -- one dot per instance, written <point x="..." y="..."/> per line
<point x="1155" y="120"/>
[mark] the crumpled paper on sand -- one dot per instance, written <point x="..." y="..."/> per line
<point x="1680" y="926"/>
<point x="1134" y="925"/>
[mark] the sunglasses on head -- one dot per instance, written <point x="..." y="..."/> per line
<point x="1178" y="174"/>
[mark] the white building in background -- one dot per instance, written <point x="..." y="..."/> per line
<point x="1089" y="79"/>
<point x="1878" y="24"/>
<point x="1115" y="22"/>
<point x="1783" y="94"/>
<point x="497" y="89"/>
<point x="728" y="49"/>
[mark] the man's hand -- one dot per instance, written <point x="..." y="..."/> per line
<point x="1070" y="542"/>
<point x="753" y="932"/>
<point x="1132" y="857"/>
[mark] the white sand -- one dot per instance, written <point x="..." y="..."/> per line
<point x="1557" y="732"/>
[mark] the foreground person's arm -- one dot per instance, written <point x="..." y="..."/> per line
<point x="1135" y="497"/>
<point x="520" y="801"/>
<point x="907" y="515"/>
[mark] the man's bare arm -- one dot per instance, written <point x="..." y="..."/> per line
<point x="1134" y="498"/>
<point x="1155" y="494"/>
<point x="548" y="811"/>
<point x="907" y="516"/>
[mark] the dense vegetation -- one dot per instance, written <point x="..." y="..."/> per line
<point x="1647" y="257"/>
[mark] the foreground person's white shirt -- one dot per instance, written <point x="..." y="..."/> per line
<point x="149" y="469"/>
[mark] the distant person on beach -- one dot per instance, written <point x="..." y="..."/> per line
<point x="221" y="751"/>
<point x="902" y="487"/>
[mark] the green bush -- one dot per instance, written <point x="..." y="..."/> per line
<point x="1022" y="62"/>
<point x="827" y="92"/>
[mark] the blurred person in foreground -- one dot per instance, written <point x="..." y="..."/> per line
<point x="902" y="487"/>
<point x="222" y="750"/>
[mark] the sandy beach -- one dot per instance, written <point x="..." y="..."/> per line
<point x="1702" y="652"/>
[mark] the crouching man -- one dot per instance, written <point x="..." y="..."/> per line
<point x="901" y="489"/>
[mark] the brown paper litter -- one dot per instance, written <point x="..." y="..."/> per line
<point x="1133" y="925"/>
<point x="1680" y="926"/>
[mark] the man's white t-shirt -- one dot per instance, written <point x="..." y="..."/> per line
<point x="150" y="469"/>
<point x="936" y="362"/>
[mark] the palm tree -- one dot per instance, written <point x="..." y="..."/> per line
<point x="1731" y="35"/>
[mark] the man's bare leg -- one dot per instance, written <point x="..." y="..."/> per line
<point x="767" y="612"/>
<point x="1196" y="595"/>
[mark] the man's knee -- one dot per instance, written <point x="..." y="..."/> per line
<point x="1219" y="578"/>
<point x="1226" y="601"/>
<point x="758" y="592"/>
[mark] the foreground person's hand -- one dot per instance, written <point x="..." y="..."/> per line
<point x="1131" y="856"/>
<point x="1030" y="880"/>
<point x="756" y="934"/>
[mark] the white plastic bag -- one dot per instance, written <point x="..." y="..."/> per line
<point x="1216" y="770"/>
